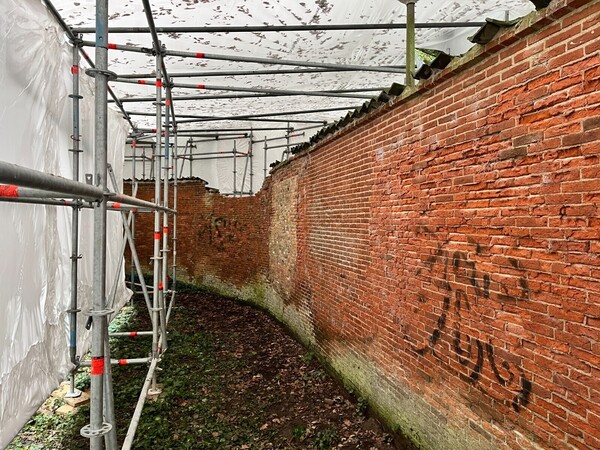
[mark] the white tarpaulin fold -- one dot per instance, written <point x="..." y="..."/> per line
<point x="35" y="240"/>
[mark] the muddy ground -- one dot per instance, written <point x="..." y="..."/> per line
<point x="232" y="379"/>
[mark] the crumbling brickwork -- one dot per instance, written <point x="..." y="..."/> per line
<point x="442" y="253"/>
<point x="218" y="236"/>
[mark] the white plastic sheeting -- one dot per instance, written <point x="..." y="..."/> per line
<point x="35" y="240"/>
<point x="360" y="47"/>
<point x="217" y="167"/>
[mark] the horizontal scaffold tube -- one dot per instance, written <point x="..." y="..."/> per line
<point x="121" y="362"/>
<point x="285" y="145"/>
<point x="209" y="130"/>
<point x="259" y="141"/>
<point x="207" y="158"/>
<point x="45" y="201"/>
<point x="211" y="136"/>
<point x="219" y="139"/>
<point x="214" y="135"/>
<point x="271" y="114"/>
<point x="237" y="153"/>
<point x="254" y="94"/>
<point x="128" y="200"/>
<point x="280" y="28"/>
<point x="71" y="203"/>
<point x="9" y="190"/>
<point x="252" y="119"/>
<point x="349" y="93"/>
<point x="24" y="177"/>
<point x="230" y="73"/>
<point x="131" y="334"/>
<point x="195" y="97"/>
<point x="250" y="59"/>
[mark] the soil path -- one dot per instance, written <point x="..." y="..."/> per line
<point x="278" y="385"/>
<point x="232" y="379"/>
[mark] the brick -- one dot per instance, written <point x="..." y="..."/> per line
<point x="581" y="186"/>
<point x="513" y="153"/>
<point x="528" y="139"/>
<point x="562" y="36"/>
<point x="593" y="47"/>
<point x="591" y="123"/>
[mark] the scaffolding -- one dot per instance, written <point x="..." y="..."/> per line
<point x="24" y="185"/>
<point x="159" y="148"/>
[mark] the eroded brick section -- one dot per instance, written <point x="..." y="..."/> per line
<point x="282" y="237"/>
<point x="219" y="236"/>
<point x="447" y="252"/>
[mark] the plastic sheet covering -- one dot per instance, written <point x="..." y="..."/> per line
<point x="35" y="240"/>
<point x="360" y="47"/>
<point x="223" y="169"/>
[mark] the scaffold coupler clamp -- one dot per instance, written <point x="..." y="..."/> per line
<point x="100" y="312"/>
<point x="75" y="258"/>
<point x="87" y="431"/>
<point x="108" y="73"/>
<point x="96" y="313"/>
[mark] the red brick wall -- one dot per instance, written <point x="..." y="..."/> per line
<point x="216" y="235"/>
<point x="443" y="252"/>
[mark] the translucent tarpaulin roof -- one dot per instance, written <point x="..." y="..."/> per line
<point x="356" y="47"/>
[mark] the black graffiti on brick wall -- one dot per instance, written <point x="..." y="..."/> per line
<point x="456" y="278"/>
<point x="222" y="231"/>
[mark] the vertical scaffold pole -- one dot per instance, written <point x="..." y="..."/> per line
<point x="180" y="173"/>
<point x="246" y="160"/>
<point x="191" y="157"/>
<point x="165" y="230"/>
<point x="97" y="426"/>
<point x="133" y="190"/>
<point x="174" y="239"/>
<point x="143" y="163"/>
<point x="265" y="161"/>
<point x="234" y="168"/>
<point x="73" y="310"/>
<point x="110" y="438"/>
<point x="251" y="139"/>
<point x="157" y="284"/>
<point x="410" y="42"/>
<point x="286" y="151"/>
